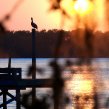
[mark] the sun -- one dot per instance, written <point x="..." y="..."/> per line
<point x="83" y="7"/>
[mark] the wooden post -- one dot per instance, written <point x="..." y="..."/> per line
<point x="9" y="62"/>
<point x="5" y="91"/>
<point x="4" y="99"/>
<point x="33" y="47"/>
<point x="33" y="53"/>
<point x="17" y="90"/>
<point x="33" y="63"/>
<point x="18" y="98"/>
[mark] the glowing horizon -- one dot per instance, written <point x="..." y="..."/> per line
<point x="20" y="20"/>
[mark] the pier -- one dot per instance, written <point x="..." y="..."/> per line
<point x="11" y="79"/>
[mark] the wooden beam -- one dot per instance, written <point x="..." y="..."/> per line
<point x="25" y="83"/>
<point x="7" y="102"/>
<point x="12" y="70"/>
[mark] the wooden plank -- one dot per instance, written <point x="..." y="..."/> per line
<point x="7" y="70"/>
<point x="25" y="83"/>
<point x="10" y="73"/>
<point x="7" y="102"/>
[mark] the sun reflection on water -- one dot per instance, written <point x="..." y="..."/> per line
<point x="82" y="89"/>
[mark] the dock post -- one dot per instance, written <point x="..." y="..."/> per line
<point x="5" y="91"/>
<point x="18" y="99"/>
<point x="4" y="99"/>
<point x="33" y="63"/>
<point x="9" y="62"/>
<point x="33" y="46"/>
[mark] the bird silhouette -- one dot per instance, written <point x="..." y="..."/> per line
<point x="33" y="24"/>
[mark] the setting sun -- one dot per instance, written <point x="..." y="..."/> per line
<point x="83" y="7"/>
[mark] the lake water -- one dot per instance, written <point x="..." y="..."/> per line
<point x="101" y="64"/>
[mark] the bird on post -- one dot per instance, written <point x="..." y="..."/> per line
<point x="33" y="24"/>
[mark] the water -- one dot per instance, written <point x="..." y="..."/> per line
<point x="102" y="74"/>
<point x="24" y="63"/>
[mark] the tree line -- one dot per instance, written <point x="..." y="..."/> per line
<point x="19" y="44"/>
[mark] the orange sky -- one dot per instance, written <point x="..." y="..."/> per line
<point x="20" y="20"/>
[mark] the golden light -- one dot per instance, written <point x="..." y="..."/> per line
<point x="68" y="5"/>
<point x="82" y="84"/>
<point x="83" y="7"/>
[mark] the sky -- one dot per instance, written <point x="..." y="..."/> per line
<point x="21" y="18"/>
<point x="38" y="9"/>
